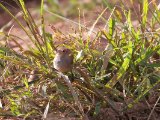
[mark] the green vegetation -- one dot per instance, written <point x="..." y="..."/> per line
<point x="125" y="71"/>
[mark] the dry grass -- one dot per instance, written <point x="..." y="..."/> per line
<point x="116" y="69"/>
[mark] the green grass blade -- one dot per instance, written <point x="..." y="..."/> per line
<point x="123" y="68"/>
<point x="145" y="12"/>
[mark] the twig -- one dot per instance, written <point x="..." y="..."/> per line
<point x="75" y="96"/>
<point x="153" y="108"/>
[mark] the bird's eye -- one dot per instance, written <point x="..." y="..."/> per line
<point x="63" y="51"/>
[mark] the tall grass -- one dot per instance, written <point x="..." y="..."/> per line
<point x="125" y="71"/>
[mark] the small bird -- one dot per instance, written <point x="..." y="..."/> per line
<point x="63" y="61"/>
